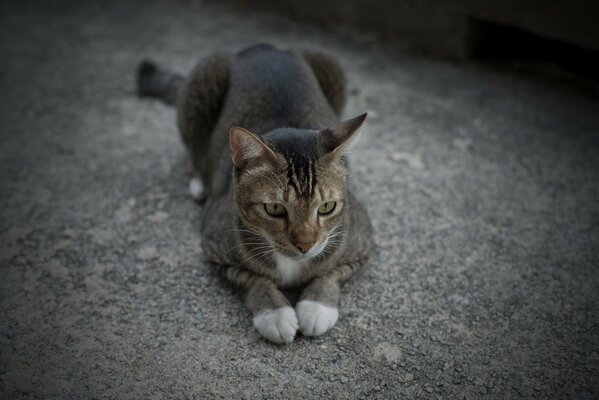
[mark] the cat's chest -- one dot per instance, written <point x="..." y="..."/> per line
<point x="291" y="272"/>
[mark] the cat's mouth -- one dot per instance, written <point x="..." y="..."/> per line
<point x="297" y="255"/>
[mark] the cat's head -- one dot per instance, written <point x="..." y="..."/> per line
<point x="290" y="185"/>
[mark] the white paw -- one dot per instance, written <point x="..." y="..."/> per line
<point x="315" y="318"/>
<point x="278" y="325"/>
<point x="196" y="188"/>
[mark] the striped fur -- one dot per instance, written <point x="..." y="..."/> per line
<point x="261" y="126"/>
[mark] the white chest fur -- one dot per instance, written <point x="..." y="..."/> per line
<point x="289" y="271"/>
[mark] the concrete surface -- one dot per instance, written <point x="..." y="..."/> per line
<point x="483" y="189"/>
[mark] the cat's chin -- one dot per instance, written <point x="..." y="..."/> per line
<point x="295" y="256"/>
<point x="302" y="257"/>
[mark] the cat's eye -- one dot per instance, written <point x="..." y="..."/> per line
<point x="275" y="209"/>
<point x="327" y="208"/>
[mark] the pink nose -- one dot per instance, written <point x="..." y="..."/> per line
<point x="304" y="247"/>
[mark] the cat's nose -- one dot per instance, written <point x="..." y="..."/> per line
<point x="304" y="247"/>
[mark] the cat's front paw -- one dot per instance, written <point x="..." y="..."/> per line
<point x="315" y="318"/>
<point x="278" y="326"/>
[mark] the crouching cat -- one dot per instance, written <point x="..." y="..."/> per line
<point x="268" y="161"/>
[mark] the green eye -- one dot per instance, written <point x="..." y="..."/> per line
<point x="275" y="209"/>
<point x="327" y="208"/>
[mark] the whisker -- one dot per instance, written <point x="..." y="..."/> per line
<point x="258" y="256"/>
<point x="244" y="231"/>
<point x="273" y="182"/>
<point x="281" y="183"/>
<point x="248" y="243"/>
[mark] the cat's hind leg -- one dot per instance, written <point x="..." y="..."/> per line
<point x="155" y="81"/>
<point x="198" y="110"/>
<point x="330" y="76"/>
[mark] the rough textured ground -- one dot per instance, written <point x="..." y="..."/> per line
<point x="483" y="189"/>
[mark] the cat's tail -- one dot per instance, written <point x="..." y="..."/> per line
<point x="154" y="81"/>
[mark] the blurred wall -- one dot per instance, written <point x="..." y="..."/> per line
<point x="445" y="28"/>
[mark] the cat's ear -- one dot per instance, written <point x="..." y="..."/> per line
<point x="334" y="142"/>
<point x="247" y="147"/>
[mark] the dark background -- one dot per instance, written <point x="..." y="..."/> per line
<point x="479" y="168"/>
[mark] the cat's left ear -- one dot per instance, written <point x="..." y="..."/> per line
<point x="334" y="142"/>
<point x="247" y="147"/>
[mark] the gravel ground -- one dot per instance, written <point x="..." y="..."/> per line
<point x="482" y="186"/>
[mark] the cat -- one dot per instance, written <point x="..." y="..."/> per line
<point x="268" y="162"/>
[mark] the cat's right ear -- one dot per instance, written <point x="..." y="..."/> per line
<point x="334" y="142"/>
<point x="247" y="147"/>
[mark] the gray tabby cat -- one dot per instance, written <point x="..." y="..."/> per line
<point x="268" y="160"/>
